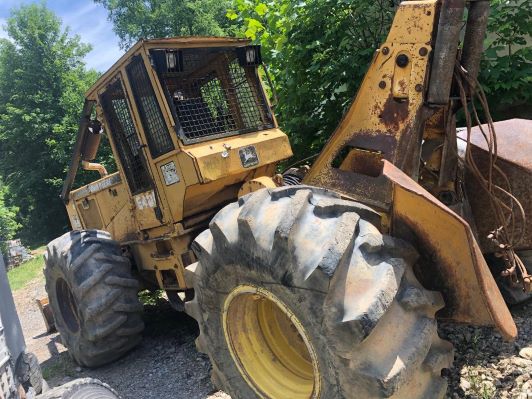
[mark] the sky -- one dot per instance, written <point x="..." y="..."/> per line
<point x="84" y="18"/>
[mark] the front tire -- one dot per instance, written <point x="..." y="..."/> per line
<point x="298" y="295"/>
<point x="29" y="373"/>
<point x="93" y="296"/>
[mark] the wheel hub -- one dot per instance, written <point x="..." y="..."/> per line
<point x="269" y="345"/>
<point x="67" y="305"/>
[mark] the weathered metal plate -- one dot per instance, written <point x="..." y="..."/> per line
<point x="514" y="151"/>
<point x="223" y="157"/>
<point x="96" y="186"/>
<point x="248" y="156"/>
<point x="514" y="140"/>
<point x="454" y="263"/>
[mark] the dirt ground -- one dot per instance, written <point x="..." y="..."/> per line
<point x="164" y="364"/>
<point x="167" y="365"/>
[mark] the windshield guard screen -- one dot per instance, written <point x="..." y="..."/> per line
<point x="211" y="94"/>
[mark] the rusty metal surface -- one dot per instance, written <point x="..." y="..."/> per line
<point x="91" y="143"/>
<point x="451" y="260"/>
<point x="76" y="151"/>
<point x="514" y="140"/>
<point x="477" y="21"/>
<point x="387" y="115"/>
<point x="445" y="50"/>
<point x="256" y="184"/>
<point x="514" y="149"/>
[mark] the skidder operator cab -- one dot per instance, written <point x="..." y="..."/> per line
<point x="190" y="125"/>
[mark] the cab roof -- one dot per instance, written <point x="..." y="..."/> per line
<point x="163" y="43"/>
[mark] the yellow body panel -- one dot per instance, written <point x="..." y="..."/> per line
<point x="104" y="204"/>
<point x="456" y="265"/>
<point x="221" y="158"/>
<point x="256" y="184"/>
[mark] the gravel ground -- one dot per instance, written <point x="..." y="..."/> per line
<point x="487" y="367"/>
<point x="167" y="365"/>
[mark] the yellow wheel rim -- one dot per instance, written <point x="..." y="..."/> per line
<point x="269" y="345"/>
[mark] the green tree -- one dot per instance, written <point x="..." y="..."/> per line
<point x="136" y="19"/>
<point x="42" y="81"/>
<point x="8" y="216"/>
<point x="319" y="51"/>
<point x="506" y="72"/>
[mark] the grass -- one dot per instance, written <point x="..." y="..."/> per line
<point x="152" y="298"/>
<point x="58" y="367"/>
<point x="481" y="389"/>
<point x="37" y="248"/>
<point x="23" y="274"/>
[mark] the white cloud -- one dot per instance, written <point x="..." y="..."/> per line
<point x="103" y="56"/>
<point x="2" y="24"/>
<point x="90" y="23"/>
<point x="3" y="33"/>
<point x="82" y="16"/>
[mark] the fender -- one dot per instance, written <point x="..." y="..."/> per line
<point x="451" y="260"/>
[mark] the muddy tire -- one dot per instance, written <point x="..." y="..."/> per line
<point x="85" y="388"/>
<point x="28" y="372"/>
<point x="363" y="324"/>
<point x="93" y="296"/>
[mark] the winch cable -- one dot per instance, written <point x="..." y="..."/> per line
<point x="505" y="236"/>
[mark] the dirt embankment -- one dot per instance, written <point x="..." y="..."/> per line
<point x="167" y="365"/>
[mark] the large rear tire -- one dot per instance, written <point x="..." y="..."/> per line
<point x="93" y="296"/>
<point x="298" y="295"/>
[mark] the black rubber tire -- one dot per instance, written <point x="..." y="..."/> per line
<point x="28" y="372"/>
<point x="106" y="308"/>
<point x="305" y="245"/>
<point x="85" y="388"/>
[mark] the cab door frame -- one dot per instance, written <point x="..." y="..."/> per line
<point x="148" y="207"/>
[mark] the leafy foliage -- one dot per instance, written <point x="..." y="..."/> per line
<point x="136" y="19"/>
<point x="152" y="298"/>
<point x="8" y="222"/>
<point x="319" y="51"/>
<point x="506" y="71"/>
<point x="42" y="81"/>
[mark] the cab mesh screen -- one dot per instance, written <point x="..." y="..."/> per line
<point x="212" y="95"/>
<point x="158" y="137"/>
<point x="124" y="136"/>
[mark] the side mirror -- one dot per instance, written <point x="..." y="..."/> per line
<point x="92" y="141"/>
